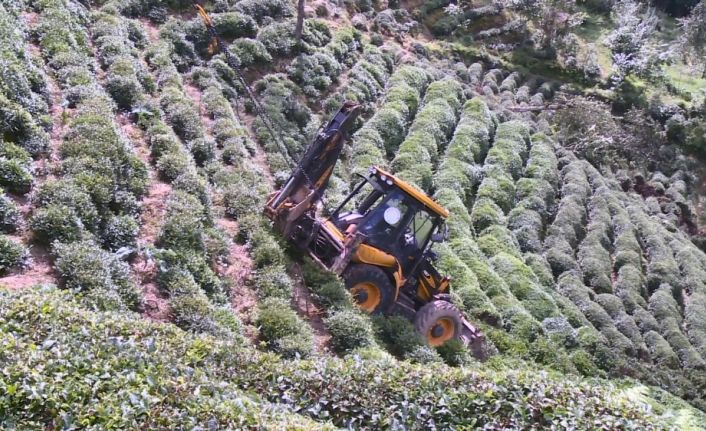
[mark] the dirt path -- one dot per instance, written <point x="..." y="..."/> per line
<point x="305" y="306"/>
<point x="151" y="29"/>
<point x="39" y="272"/>
<point x="196" y="95"/>
<point x="144" y="267"/>
<point x="260" y="157"/>
<point x="238" y="268"/>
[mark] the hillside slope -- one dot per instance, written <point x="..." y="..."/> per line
<point x="134" y="165"/>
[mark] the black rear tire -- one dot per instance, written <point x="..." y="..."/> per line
<point x="371" y="287"/>
<point x="438" y="322"/>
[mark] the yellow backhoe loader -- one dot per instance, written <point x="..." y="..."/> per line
<point x="378" y="239"/>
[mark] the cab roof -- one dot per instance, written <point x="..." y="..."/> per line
<point x="413" y="192"/>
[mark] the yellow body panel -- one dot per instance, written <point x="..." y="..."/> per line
<point x="334" y="230"/>
<point x="373" y="256"/>
<point x="416" y="194"/>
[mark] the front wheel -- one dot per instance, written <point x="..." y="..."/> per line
<point x="371" y="287"/>
<point x="438" y="322"/>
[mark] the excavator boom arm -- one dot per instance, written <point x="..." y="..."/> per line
<point x="307" y="183"/>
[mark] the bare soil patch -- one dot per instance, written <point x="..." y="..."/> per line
<point x="151" y="29"/>
<point x="155" y="303"/>
<point x="305" y="306"/>
<point x="153" y="209"/>
<point x="39" y="271"/>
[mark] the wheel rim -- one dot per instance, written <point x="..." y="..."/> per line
<point x="441" y="331"/>
<point x="367" y="295"/>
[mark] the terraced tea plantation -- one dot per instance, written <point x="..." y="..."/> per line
<point x="144" y="289"/>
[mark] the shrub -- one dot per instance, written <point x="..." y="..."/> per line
<point x="486" y="213"/>
<point x="196" y="313"/>
<point x="77" y="331"/>
<point x="9" y="214"/>
<point x="284" y="331"/>
<point x="273" y="282"/>
<point x="398" y="334"/>
<point x="498" y="187"/>
<point x="349" y="330"/>
<point x="203" y="150"/>
<point x="56" y="223"/>
<point x="233" y="25"/>
<point x="184" y="223"/>
<point x="314" y="72"/>
<point x="181" y="114"/>
<point x="278" y="38"/>
<point x="195" y="185"/>
<point x="12" y="254"/>
<point x="162" y="142"/>
<point x="125" y="90"/>
<point x="250" y="52"/>
<point x="193" y="263"/>
<point x="171" y="165"/>
<point x="596" y="264"/>
<point x="526" y="226"/>
<point x="84" y="268"/>
<point x="15" y="176"/>
<point x="266" y="250"/>
<point x="119" y="232"/>
<point x="259" y="9"/>
<point x="454" y="353"/>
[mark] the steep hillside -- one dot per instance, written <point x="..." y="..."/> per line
<point x="134" y="167"/>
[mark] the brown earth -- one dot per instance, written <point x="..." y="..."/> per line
<point x="39" y="272"/>
<point x="304" y="304"/>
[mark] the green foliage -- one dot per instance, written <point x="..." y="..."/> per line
<point x="182" y="115"/>
<point x="349" y="330"/>
<point x="428" y="133"/>
<point x="250" y="52"/>
<point x="273" y="282"/>
<point x="284" y="331"/>
<point x="129" y="347"/>
<point x="120" y="231"/>
<point x="12" y="254"/>
<point x="259" y="10"/>
<point x="403" y="94"/>
<point x="196" y="313"/>
<point x="15" y="176"/>
<point x="103" y="280"/>
<point x="454" y="353"/>
<point x="9" y="214"/>
<point x="56" y="223"/>
<point x="398" y="334"/>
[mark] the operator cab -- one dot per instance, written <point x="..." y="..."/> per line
<point x="392" y="216"/>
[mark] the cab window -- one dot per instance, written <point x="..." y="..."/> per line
<point x="421" y="227"/>
<point x="384" y="220"/>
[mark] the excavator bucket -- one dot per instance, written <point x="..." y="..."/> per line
<point x="305" y="187"/>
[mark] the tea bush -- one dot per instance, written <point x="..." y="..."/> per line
<point x="23" y="96"/>
<point x="405" y="87"/>
<point x="10" y="217"/>
<point x="33" y="317"/>
<point x="259" y="10"/>
<point x="12" y="254"/>
<point x="250" y="52"/>
<point x="349" y="330"/>
<point x="428" y="133"/>
<point x="86" y="269"/>
<point x="284" y="331"/>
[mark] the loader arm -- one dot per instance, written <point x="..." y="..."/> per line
<point x="309" y="179"/>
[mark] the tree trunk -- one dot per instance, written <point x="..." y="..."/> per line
<point x="300" y="21"/>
